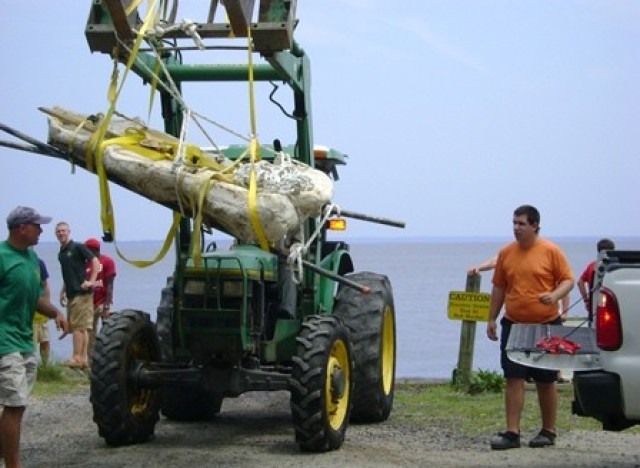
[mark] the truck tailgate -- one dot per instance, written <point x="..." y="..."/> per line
<point x="521" y="347"/>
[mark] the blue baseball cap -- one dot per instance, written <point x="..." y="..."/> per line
<point x="25" y="215"/>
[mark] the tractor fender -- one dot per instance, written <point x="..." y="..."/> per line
<point x="339" y="262"/>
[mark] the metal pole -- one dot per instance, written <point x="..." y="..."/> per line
<point x="340" y="279"/>
<point x="371" y="219"/>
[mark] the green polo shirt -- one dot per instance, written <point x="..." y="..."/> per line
<point x="20" y="288"/>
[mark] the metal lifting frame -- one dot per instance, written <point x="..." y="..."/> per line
<point x="272" y="32"/>
<point x="272" y="37"/>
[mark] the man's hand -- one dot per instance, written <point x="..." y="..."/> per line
<point x="62" y="324"/>
<point x="547" y="298"/>
<point x="492" y="330"/>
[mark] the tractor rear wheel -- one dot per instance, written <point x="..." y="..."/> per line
<point x="124" y="412"/>
<point x="370" y="319"/>
<point x="321" y="384"/>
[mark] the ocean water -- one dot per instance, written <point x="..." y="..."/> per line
<point x="422" y="272"/>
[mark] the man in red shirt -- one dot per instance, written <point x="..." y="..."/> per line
<point x="585" y="283"/>
<point x="102" y="291"/>
<point x="531" y="276"/>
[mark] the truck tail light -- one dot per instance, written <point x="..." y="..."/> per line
<point x="608" y="324"/>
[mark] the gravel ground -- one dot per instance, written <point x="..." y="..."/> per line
<point x="255" y="430"/>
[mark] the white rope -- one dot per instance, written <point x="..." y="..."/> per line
<point x="281" y="177"/>
<point x="298" y="250"/>
<point x="294" y="261"/>
<point x="188" y="26"/>
<point x="178" y="161"/>
<point x="172" y="89"/>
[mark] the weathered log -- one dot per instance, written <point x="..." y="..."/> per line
<point x="225" y="205"/>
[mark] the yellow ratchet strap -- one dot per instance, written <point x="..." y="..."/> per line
<point x="254" y="152"/>
<point x="93" y="148"/>
<point x="163" y="251"/>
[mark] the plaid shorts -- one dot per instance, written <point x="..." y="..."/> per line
<point x="17" y="377"/>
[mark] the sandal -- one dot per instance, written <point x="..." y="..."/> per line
<point x="543" y="439"/>
<point x="74" y="364"/>
<point x="505" y="440"/>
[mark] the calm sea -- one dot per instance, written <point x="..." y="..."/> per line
<point x="422" y="273"/>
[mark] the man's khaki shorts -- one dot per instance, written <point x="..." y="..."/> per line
<point x="17" y="376"/>
<point x="81" y="313"/>
<point x="41" y="332"/>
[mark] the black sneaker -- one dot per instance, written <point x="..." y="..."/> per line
<point x="543" y="439"/>
<point x="505" y="440"/>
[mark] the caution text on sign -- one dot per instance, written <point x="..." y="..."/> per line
<point x="472" y="306"/>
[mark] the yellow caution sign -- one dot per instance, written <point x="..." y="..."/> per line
<point x="472" y="306"/>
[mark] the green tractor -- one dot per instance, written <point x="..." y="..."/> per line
<point x="221" y="327"/>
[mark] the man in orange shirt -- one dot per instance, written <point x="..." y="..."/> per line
<point x="531" y="276"/>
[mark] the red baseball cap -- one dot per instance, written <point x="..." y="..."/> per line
<point x="92" y="243"/>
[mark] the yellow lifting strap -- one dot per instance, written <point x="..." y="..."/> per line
<point x="167" y="149"/>
<point x="163" y="251"/>
<point x="95" y="146"/>
<point x="106" y="210"/>
<point x="254" y="152"/>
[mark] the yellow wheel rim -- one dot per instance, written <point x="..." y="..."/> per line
<point x="388" y="349"/>
<point x="140" y="399"/>
<point x="337" y="385"/>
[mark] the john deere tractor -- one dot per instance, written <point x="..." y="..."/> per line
<point x="220" y="329"/>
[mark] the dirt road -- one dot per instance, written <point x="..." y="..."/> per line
<point x="255" y="430"/>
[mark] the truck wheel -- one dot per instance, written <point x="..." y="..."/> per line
<point x="184" y="404"/>
<point x="124" y="412"/>
<point x="321" y="384"/>
<point x="370" y="319"/>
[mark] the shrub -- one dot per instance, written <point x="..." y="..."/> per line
<point x="486" y="381"/>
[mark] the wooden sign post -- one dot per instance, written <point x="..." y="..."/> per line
<point x="470" y="306"/>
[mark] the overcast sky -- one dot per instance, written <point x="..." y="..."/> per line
<point x="452" y="113"/>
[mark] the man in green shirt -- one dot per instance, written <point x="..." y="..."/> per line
<point x="21" y="294"/>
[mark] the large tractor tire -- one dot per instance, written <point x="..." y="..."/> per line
<point x="321" y="384"/>
<point x="124" y="412"/>
<point x="370" y="319"/>
<point x="185" y="404"/>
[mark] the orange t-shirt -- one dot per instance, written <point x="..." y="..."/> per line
<point x="524" y="274"/>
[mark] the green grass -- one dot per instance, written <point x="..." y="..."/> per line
<point x="56" y="379"/>
<point x="481" y="413"/>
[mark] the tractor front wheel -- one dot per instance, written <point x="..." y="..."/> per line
<point x="321" y="384"/>
<point x="124" y="412"/>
